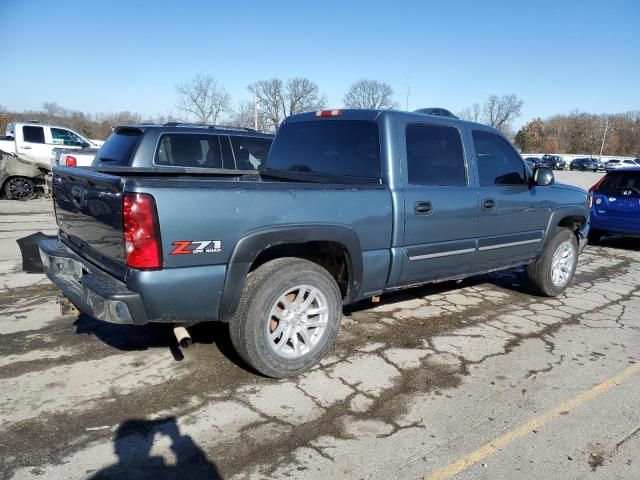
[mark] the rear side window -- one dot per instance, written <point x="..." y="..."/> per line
<point x="348" y="148"/>
<point x="119" y="147"/>
<point x="435" y="155"/>
<point x="33" y="134"/>
<point x="498" y="162"/>
<point x="622" y="183"/>
<point x="250" y="152"/>
<point x="192" y="150"/>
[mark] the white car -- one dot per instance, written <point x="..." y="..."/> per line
<point x="35" y="142"/>
<point x="616" y="164"/>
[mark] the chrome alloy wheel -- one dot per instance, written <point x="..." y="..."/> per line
<point x="297" y="321"/>
<point x="562" y="264"/>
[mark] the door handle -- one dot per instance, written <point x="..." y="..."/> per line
<point x="488" y="204"/>
<point x="26" y="148"/>
<point x="423" y="208"/>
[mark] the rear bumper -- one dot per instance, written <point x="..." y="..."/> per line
<point x="615" y="226"/>
<point x="91" y="290"/>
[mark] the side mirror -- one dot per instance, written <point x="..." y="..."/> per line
<point x="543" y="177"/>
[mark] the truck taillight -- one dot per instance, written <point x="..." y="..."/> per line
<point x="329" y="113"/>
<point x="70" y="161"/>
<point x="141" y="231"/>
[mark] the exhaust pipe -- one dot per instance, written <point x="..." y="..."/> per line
<point x="182" y="336"/>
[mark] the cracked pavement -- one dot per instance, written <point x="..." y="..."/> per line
<point x="413" y="383"/>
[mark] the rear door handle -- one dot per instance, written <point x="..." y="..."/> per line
<point x="423" y="208"/>
<point x="488" y="204"/>
<point x="26" y="148"/>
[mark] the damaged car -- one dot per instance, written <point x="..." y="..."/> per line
<point x="20" y="179"/>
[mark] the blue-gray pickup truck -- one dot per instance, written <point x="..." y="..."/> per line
<point x="350" y="204"/>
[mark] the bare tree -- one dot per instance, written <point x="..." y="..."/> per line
<point x="370" y="94"/>
<point x="4" y="119"/>
<point x="472" y="113"/>
<point x="203" y="99"/>
<point x="500" y="111"/>
<point x="276" y="100"/>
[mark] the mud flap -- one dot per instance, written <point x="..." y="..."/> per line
<point x="31" y="262"/>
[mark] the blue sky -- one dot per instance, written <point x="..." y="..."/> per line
<point x="95" y="56"/>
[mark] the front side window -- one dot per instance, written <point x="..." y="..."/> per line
<point x="60" y="136"/>
<point x="339" y="148"/>
<point x="435" y="155"/>
<point x="250" y="152"/>
<point x="33" y="134"/>
<point x="498" y="162"/>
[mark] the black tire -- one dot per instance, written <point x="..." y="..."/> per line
<point x="264" y="286"/>
<point x="539" y="273"/>
<point x="595" y="236"/>
<point x="19" y="188"/>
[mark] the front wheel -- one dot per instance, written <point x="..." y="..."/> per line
<point x="552" y="273"/>
<point x="19" y="188"/>
<point x="288" y="317"/>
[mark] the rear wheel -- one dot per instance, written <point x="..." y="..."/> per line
<point x="552" y="273"/>
<point x="288" y="317"/>
<point x="19" y="188"/>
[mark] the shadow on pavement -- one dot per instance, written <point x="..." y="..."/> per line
<point x="133" y="442"/>
<point x="620" y="243"/>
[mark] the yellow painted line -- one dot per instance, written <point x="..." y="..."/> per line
<point x="502" y="441"/>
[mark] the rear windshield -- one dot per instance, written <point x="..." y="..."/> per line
<point x="119" y="147"/>
<point x="348" y="148"/>
<point x="621" y="183"/>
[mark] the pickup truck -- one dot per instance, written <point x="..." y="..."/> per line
<point x="82" y="157"/>
<point x="351" y="204"/>
<point x="35" y="142"/>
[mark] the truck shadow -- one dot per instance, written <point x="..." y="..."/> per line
<point x="133" y="443"/>
<point x="158" y="335"/>
<point x="620" y="243"/>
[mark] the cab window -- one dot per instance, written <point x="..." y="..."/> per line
<point x="498" y="162"/>
<point x="60" y="136"/>
<point x="33" y="134"/>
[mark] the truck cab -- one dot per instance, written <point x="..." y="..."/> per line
<point x="35" y="142"/>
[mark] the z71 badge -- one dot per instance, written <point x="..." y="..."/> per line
<point x="187" y="247"/>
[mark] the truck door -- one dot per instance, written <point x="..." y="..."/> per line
<point x="441" y="215"/>
<point x="31" y="143"/>
<point x="513" y="215"/>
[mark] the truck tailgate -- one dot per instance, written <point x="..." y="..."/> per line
<point x="88" y="207"/>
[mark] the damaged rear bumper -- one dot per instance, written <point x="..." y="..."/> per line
<point x="92" y="291"/>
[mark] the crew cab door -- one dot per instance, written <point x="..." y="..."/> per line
<point x="513" y="215"/>
<point x="441" y="215"/>
<point x="31" y="143"/>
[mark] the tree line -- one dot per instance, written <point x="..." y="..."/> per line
<point x="582" y="132"/>
<point x="204" y="100"/>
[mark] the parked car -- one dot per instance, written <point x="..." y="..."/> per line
<point x="35" y="142"/>
<point x="19" y="179"/>
<point x="184" y="146"/>
<point x="615" y="204"/>
<point x="351" y="204"/>
<point x="533" y="162"/>
<point x="615" y="164"/>
<point x="585" y="164"/>
<point x="555" y="162"/>
<point x="437" y="111"/>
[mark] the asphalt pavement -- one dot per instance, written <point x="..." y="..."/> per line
<point x="472" y="380"/>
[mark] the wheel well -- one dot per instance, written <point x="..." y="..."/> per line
<point x="332" y="256"/>
<point x="573" y="222"/>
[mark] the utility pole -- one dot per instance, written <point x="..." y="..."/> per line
<point x="408" y="93"/>
<point x="255" y="112"/>
<point x="604" y="136"/>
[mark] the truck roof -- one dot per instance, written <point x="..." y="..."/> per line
<point x="373" y="114"/>
<point x="197" y="128"/>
